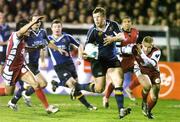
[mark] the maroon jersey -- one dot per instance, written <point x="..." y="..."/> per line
<point x="15" y="53"/>
<point x="127" y="62"/>
<point x="131" y="37"/>
<point x="151" y="71"/>
<point x="14" y="59"/>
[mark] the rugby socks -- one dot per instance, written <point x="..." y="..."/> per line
<point x="87" y="87"/>
<point x="82" y="99"/>
<point x="29" y="91"/>
<point x="18" y="95"/>
<point x="151" y="103"/>
<point x="109" y="90"/>
<point x="40" y="94"/>
<point x="2" y="92"/>
<point x="134" y="82"/>
<point x="119" y="97"/>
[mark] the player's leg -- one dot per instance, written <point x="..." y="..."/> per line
<point x="41" y="95"/>
<point x="116" y="75"/>
<point x="71" y="83"/>
<point x="146" y="84"/>
<point x="107" y="93"/>
<point x="28" y="77"/>
<point x="133" y="84"/>
<point x="99" y="73"/>
<point x="153" y="99"/>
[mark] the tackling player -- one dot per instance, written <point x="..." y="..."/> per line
<point x="37" y="38"/>
<point x="147" y="70"/>
<point x="15" y="67"/>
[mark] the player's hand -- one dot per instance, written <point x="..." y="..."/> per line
<point x="63" y="52"/>
<point x="108" y="40"/>
<point x="139" y="49"/>
<point x="38" y="19"/>
<point x="78" y="61"/>
<point x="84" y="55"/>
<point x="40" y="46"/>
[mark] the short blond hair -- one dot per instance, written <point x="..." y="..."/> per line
<point x="148" y="39"/>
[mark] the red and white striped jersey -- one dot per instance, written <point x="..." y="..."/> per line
<point x="14" y="59"/>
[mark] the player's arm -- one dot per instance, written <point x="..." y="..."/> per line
<point x="26" y="27"/>
<point x="127" y="49"/>
<point x="90" y="39"/>
<point x="118" y="35"/>
<point x="153" y="60"/>
<point x="54" y="47"/>
<point x="33" y="48"/>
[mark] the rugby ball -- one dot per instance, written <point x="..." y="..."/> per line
<point x="91" y="50"/>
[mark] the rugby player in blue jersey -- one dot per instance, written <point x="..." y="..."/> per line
<point x="63" y="64"/>
<point x="104" y="34"/>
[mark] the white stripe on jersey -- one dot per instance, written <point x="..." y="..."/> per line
<point x="52" y="57"/>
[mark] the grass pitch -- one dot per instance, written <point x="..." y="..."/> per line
<point x="73" y="111"/>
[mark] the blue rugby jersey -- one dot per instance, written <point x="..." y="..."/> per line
<point x="34" y="39"/>
<point x="96" y="36"/>
<point x="5" y="34"/>
<point x="64" y="43"/>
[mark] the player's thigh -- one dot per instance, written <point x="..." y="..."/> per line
<point x="41" y="80"/>
<point x="116" y="75"/>
<point x="100" y="83"/>
<point x="144" y="81"/>
<point x="28" y="77"/>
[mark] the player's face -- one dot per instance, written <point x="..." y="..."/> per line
<point x="126" y="24"/>
<point x="1" y="17"/>
<point x="147" y="47"/>
<point x="56" y="29"/>
<point x="37" y="25"/>
<point x="99" y="19"/>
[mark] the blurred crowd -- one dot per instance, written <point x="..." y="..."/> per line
<point x="143" y="12"/>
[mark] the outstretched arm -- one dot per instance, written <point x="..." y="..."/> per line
<point x="26" y="27"/>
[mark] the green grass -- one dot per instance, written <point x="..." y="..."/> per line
<point x="73" y="111"/>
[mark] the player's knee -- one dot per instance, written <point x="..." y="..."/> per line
<point x="43" y="84"/>
<point x="154" y="98"/>
<point x="99" y="90"/>
<point x="35" y="85"/>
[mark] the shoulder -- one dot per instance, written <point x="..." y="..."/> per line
<point x="113" y="23"/>
<point x="155" y="49"/>
<point x="91" y="30"/>
<point x="42" y="30"/>
<point x="134" y="30"/>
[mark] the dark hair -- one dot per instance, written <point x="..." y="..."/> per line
<point x="21" y="23"/>
<point x="125" y="17"/>
<point x="100" y="10"/>
<point x="56" y="21"/>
